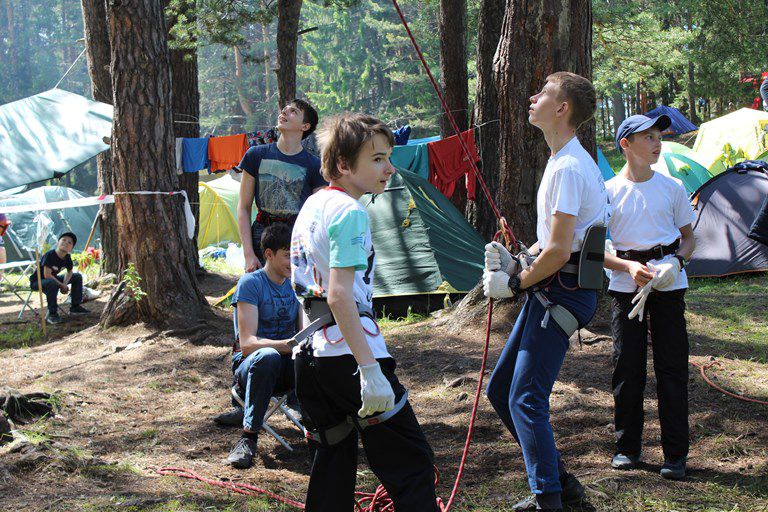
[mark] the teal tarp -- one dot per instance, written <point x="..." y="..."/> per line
<point x="414" y="158"/>
<point x="20" y="238"/>
<point x="46" y="135"/>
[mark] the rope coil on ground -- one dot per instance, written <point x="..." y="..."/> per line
<point x="703" y="369"/>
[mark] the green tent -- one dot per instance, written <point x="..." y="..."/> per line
<point x="45" y="136"/>
<point x="681" y="162"/>
<point x="744" y="131"/>
<point x="21" y="237"/>
<point x="422" y="243"/>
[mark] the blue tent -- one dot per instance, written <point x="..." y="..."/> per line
<point x="680" y="123"/>
<point x="605" y="168"/>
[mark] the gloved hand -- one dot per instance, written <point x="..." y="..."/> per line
<point x="497" y="257"/>
<point x="375" y="391"/>
<point x="496" y="285"/>
<point x="666" y="272"/>
<point x="639" y="301"/>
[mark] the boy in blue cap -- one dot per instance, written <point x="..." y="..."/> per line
<point x="651" y="231"/>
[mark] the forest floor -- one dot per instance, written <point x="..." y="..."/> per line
<point x="132" y="400"/>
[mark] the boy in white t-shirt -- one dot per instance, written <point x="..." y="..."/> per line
<point x="570" y="199"/>
<point x="344" y="373"/>
<point x="652" y="234"/>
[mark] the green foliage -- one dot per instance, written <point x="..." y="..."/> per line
<point x="133" y="283"/>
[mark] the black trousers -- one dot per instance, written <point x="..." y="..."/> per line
<point x="397" y="451"/>
<point x="664" y="313"/>
<point x="51" y="290"/>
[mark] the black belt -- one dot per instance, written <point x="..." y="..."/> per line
<point x="266" y="218"/>
<point x="654" y="253"/>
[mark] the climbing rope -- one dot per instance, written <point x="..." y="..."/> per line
<point x="703" y="370"/>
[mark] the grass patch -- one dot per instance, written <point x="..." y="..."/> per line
<point x="220" y="265"/>
<point x="20" y="336"/>
<point x="387" y="321"/>
<point x="729" y="315"/>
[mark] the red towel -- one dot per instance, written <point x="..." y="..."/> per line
<point x="226" y="152"/>
<point x="448" y="163"/>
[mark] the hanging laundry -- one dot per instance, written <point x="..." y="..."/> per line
<point x="411" y="158"/>
<point x="194" y="154"/>
<point x="448" y="163"/>
<point x="226" y="152"/>
<point x="401" y="135"/>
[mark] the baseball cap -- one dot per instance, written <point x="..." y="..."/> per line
<point x="640" y="123"/>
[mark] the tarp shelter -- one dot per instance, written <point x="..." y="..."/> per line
<point x="744" y="129"/>
<point x="218" y="212"/>
<point x="680" y="123"/>
<point x="605" y="168"/>
<point x="20" y="238"/>
<point x="726" y="206"/>
<point x="46" y="135"/>
<point x="423" y="244"/>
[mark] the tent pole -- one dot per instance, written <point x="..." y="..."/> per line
<point x="93" y="229"/>
<point x="40" y="290"/>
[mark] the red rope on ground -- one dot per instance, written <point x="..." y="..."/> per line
<point x="704" y="367"/>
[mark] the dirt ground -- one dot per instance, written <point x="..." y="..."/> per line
<point x="133" y="400"/>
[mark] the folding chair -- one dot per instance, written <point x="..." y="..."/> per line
<point x="280" y="403"/>
<point x="27" y="268"/>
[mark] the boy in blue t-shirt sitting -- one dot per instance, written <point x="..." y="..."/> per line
<point x="266" y="318"/>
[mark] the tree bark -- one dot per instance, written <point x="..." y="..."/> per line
<point x="538" y="38"/>
<point x="185" y="96"/>
<point x="97" y="51"/>
<point x="153" y="232"/>
<point x="288" y="14"/>
<point x="453" y="77"/>
<point x="617" y="101"/>
<point x="486" y="116"/>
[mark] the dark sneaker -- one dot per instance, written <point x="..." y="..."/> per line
<point x="674" y="469"/>
<point x="241" y="456"/>
<point x="573" y="492"/>
<point x="53" y="319"/>
<point x="78" y="310"/>
<point x="622" y="461"/>
<point x="231" y="418"/>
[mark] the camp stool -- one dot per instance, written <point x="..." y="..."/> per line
<point x="276" y="403"/>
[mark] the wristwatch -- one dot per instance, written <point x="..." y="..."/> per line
<point x="514" y="284"/>
<point x="682" y="261"/>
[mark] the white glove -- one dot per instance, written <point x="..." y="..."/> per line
<point x="375" y="391"/>
<point x="496" y="285"/>
<point x="666" y="272"/>
<point x="639" y="301"/>
<point x="497" y="257"/>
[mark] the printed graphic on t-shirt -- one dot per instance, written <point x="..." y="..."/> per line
<point x="280" y="186"/>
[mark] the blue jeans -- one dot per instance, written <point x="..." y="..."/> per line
<point x="258" y="377"/>
<point x="522" y="381"/>
<point x="51" y="290"/>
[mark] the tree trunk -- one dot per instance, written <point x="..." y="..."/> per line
<point x="242" y="97"/>
<point x="538" y="38"/>
<point x="153" y="233"/>
<point x="267" y="73"/>
<point x="97" y="51"/>
<point x="288" y="13"/>
<point x="186" y="107"/>
<point x="453" y="77"/>
<point x="486" y="116"/>
<point x="617" y="101"/>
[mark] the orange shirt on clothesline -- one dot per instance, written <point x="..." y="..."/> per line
<point x="226" y="152"/>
